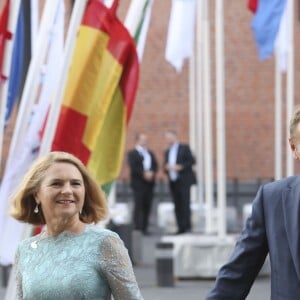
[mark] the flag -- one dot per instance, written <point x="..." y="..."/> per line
<point x="137" y="22"/>
<point x="20" y="58"/>
<point x="142" y="29"/>
<point x="252" y="5"/>
<point x="4" y="33"/>
<point x="180" y="39"/>
<point x="99" y="93"/>
<point x="282" y="40"/>
<point x="265" y="25"/>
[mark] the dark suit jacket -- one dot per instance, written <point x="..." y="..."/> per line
<point x="135" y="161"/>
<point x="187" y="160"/>
<point x="274" y="228"/>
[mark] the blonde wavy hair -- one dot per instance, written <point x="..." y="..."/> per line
<point x="95" y="206"/>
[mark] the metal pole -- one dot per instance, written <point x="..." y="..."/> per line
<point x="199" y="103"/>
<point x="278" y="119"/>
<point x="192" y="114"/>
<point x="221" y="151"/>
<point x="290" y="83"/>
<point x="208" y="149"/>
<point x="192" y="102"/>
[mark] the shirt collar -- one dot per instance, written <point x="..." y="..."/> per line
<point x="175" y="145"/>
<point x="139" y="148"/>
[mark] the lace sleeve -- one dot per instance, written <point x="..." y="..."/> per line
<point x="117" y="268"/>
<point x="19" y="291"/>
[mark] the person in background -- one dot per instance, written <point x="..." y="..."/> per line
<point x="178" y="165"/>
<point x="143" y="168"/>
<point x="272" y="228"/>
<point x="71" y="258"/>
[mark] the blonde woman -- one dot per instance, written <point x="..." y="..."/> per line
<point x="71" y="258"/>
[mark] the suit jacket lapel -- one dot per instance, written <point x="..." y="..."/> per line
<point x="291" y="212"/>
<point x="178" y="154"/>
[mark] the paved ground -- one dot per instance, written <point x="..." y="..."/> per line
<point x="183" y="289"/>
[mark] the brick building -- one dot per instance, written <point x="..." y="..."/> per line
<point x="162" y="100"/>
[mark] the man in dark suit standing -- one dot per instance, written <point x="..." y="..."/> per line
<point x="179" y="163"/>
<point x="273" y="228"/>
<point x="143" y="168"/>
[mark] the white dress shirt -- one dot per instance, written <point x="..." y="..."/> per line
<point x="147" y="157"/>
<point x="172" y="158"/>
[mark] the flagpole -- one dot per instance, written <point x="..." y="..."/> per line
<point x="192" y="102"/>
<point x="199" y="111"/>
<point x="207" y="119"/>
<point x="220" y="97"/>
<point x="7" y="58"/>
<point x="192" y="114"/>
<point x="278" y="119"/>
<point x="290" y="82"/>
<point x="33" y="75"/>
<point x="50" y="128"/>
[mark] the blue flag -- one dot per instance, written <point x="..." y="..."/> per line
<point x="16" y="70"/>
<point x="20" y="57"/>
<point x="265" y="25"/>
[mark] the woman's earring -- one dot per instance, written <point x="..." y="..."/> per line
<point x="36" y="209"/>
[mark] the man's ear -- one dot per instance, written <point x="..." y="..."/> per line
<point x="294" y="148"/>
<point x="292" y="145"/>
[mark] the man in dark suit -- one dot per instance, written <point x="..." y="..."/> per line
<point x="143" y="168"/>
<point x="179" y="163"/>
<point x="273" y="228"/>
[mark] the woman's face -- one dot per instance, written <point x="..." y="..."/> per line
<point x="62" y="191"/>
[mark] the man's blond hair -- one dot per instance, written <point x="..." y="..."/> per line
<point x="294" y="122"/>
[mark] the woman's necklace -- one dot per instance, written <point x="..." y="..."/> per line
<point x="43" y="235"/>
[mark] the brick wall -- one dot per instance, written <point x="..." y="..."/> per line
<point x="162" y="99"/>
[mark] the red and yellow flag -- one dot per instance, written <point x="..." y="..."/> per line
<point x="100" y="93"/>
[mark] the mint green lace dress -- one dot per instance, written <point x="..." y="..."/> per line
<point x="91" y="265"/>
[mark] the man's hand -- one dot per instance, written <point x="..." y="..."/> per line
<point x="175" y="168"/>
<point x="148" y="175"/>
<point x="178" y="168"/>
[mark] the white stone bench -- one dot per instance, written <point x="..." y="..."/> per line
<point x="201" y="256"/>
<point x="167" y="222"/>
